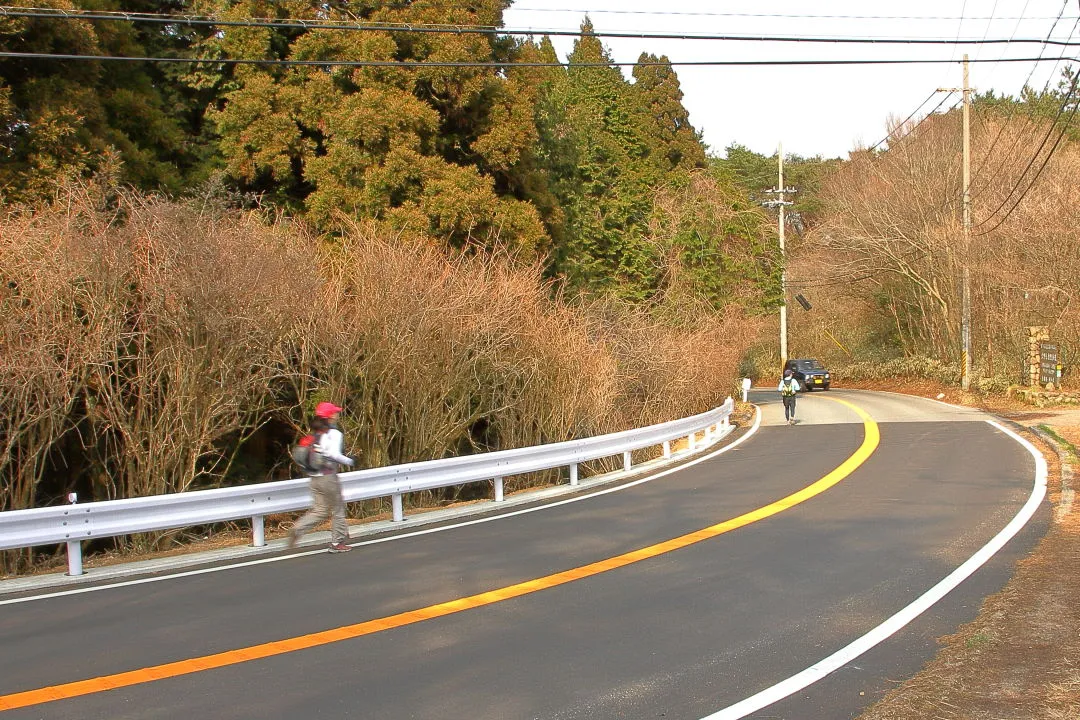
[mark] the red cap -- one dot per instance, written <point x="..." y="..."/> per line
<point x="326" y="410"/>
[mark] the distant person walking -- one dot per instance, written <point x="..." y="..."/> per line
<point x="325" y="484"/>
<point x="788" y="387"/>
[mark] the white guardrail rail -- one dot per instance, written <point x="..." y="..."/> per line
<point x="72" y="524"/>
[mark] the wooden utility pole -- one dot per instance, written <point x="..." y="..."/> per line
<point x="780" y="203"/>
<point x="965" y="279"/>
<point x="965" y="303"/>
<point x="783" y="256"/>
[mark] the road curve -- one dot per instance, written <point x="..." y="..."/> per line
<point x="647" y="602"/>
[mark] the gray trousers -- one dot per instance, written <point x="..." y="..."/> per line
<point x="327" y="503"/>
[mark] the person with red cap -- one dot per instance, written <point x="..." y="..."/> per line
<point x="325" y="484"/>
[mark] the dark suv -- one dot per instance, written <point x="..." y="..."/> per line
<point x="810" y="373"/>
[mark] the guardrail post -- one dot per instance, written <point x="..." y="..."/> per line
<point x="74" y="547"/>
<point x="399" y="513"/>
<point x="74" y="553"/>
<point x="690" y="440"/>
<point x="708" y="434"/>
<point x="258" y="531"/>
<point x="573" y="474"/>
<point x="667" y="449"/>
<point x="626" y="460"/>
<point x="498" y="489"/>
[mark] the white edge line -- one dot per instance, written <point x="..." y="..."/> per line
<point x="402" y="536"/>
<point x="886" y="629"/>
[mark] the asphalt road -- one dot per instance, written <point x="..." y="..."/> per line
<point x="561" y="620"/>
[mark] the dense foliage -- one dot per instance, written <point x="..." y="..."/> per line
<point x="451" y="141"/>
<point x="470" y="244"/>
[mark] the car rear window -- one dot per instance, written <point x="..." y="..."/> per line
<point x="811" y="365"/>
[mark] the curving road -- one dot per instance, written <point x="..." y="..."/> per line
<point x="678" y="597"/>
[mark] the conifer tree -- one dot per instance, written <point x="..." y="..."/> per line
<point x="405" y="146"/>
<point x="605" y="195"/>
<point x="66" y="118"/>
<point x="660" y="92"/>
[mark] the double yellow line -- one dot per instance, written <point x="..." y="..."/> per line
<point x="871" y="438"/>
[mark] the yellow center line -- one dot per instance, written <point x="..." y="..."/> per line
<point x="871" y="438"/>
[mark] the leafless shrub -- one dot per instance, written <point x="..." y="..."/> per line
<point x="890" y="247"/>
<point x="146" y="340"/>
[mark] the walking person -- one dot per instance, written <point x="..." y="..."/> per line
<point x="325" y="484"/>
<point x="788" y="387"/>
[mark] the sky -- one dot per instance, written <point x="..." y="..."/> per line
<point x="819" y="110"/>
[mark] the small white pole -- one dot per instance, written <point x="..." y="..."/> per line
<point x="74" y="547"/>
<point x="626" y="460"/>
<point x="573" y="474"/>
<point x="258" y="531"/>
<point x="667" y="449"/>
<point x="690" y="441"/>
<point x="399" y="512"/>
<point x="498" y="489"/>
<point x="74" y="554"/>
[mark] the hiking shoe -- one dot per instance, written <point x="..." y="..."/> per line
<point x="339" y="547"/>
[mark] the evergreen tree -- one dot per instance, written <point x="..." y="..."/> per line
<point x="67" y="118"/>
<point x="406" y="146"/>
<point x="660" y="92"/>
<point x="606" y="192"/>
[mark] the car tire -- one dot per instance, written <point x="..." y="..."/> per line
<point x="826" y="386"/>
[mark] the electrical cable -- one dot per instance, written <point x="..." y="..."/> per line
<point x="1034" y="157"/>
<point x="780" y="16"/>
<point x="508" y="64"/>
<point x="876" y="145"/>
<point x="488" y="30"/>
<point x="1012" y="108"/>
<point x="1046" y="160"/>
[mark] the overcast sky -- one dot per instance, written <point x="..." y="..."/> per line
<point x="817" y="110"/>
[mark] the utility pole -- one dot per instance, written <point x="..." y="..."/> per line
<point x="779" y="190"/>
<point x="965" y="281"/>
<point x="965" y="303"/>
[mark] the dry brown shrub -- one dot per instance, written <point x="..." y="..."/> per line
<point x="889" y="247"/>
<point x="145" y="340"/>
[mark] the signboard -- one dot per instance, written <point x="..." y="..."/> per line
<point x="1049" y="369"/>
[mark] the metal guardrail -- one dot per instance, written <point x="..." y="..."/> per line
<point x="72" y="524"/>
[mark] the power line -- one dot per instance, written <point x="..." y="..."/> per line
<point x="1046" y="160"/>
<point x="908" y="118"/>
<point x="663" y="13"/>
<point x="1012" y="108"/>
<point x="497" y="65"/>
<point x="454" y="29"/>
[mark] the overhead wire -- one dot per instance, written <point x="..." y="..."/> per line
<point x="979" y="118"/>
<point x="493" y="64"/>
<point x="464" y="29"/>
<point x="1061" y="110"/>
<point x="1061" y="135"/>
<point x="880" y="142"/>
<point x="1012" y="108"/>
<point x="662" y="13"/>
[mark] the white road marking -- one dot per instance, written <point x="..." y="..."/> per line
<point x="279" y="558"/>
<point x="891" y="626"/>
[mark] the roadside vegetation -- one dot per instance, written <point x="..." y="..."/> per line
<point x="466" y="258"/>
<point x="484" y="256"/>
